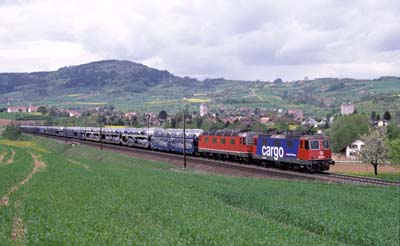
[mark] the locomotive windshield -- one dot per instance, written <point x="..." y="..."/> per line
<point x="325" y="144"/>
<point x="314" y="144"/>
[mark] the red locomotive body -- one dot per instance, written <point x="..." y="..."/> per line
<point x="294" y="150"/>
<point x="314" y="148"/>
<point x="226" y="144"/>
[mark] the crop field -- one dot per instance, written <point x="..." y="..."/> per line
<point x="75" y="95"/>
<point x="79" y="195"/>
<point x="196" y="100"/>
<point x="91" y="103"/>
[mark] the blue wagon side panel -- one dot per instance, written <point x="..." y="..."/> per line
<point x="277" y="148"/>
<point x="160" y="143"/>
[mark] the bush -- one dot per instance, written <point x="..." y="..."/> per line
<point x="12" y="132"/>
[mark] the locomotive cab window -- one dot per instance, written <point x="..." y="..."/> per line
<point x="206" y="140"/>
<point x="214" y="140"/>
<point x="223" y="140"/>
<point x="306" y="145"/>
<point x="232" y="141"/>
<point x="325" y="144"/>
<point x="314" y="144"/>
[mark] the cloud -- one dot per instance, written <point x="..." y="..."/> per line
<point x="250" y="40"/>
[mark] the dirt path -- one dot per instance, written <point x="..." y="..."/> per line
<point x="2" y="155"/>
<point x="253" y="94"/>
<point x="358" y="167"/>
<point x="11" y="160"/>
<point x="38" y="164"/>
<point x="80" y="164"/>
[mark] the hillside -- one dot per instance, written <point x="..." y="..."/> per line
<point x="126" y="75"/>
<point x="133" y="86"/>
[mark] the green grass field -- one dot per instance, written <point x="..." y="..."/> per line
<point x="85" y="196"/>
<point x="16" y="116"/>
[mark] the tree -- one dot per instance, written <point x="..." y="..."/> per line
<point x="162" y="115"/>
<point x="328" y="120"/>
<point x="278" y="81"/>
<point x="198" y="122"/>
<point x="393" y="131"/>
<point x="346" y="129"/>
<point x="282" y="126"/>
<point x="395" y="151"/>
<point x="43" y="110"/>
<point x="12" y="132"/>
<point x="378" y="117"/>
<point x="376" y="149"/>
<point x="387" y="116"/>
<point x="373" y="116"/>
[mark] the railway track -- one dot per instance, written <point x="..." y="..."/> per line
<point x="362" y="180"/>
<point x="250" y="169"/>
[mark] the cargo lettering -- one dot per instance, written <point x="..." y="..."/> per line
<point x="271" y="151"/>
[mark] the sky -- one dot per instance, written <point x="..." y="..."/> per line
<point x="234" y="39"/>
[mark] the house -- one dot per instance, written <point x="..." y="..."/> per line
<point x="322" y="123"/>
<point x="265" y="120"/>
<point x="229" y="120"/>
<point x="16" y="109"/>
<point x="309" y="122"/>
<point x="296" y="113"/>
<point x="347" y="108"/>
<point x="130" y="115"/>
<point x="352" y="150"/>
<point x="32" y="109"/>
<point x="203" y="109"/>
<point x="73" y="113"/>
<point x="380" y="123"/>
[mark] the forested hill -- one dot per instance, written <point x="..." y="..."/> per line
<point x="124" y="75"/>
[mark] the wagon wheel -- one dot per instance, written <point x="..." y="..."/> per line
<point x="309" y="168"/>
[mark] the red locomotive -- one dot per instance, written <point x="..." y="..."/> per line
<point x="295" y="150"/>
<point x="227" y="144"/>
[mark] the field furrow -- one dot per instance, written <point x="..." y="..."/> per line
<point x="11" y="159"/>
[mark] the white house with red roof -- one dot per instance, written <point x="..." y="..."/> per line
<point x="16" y="109"/>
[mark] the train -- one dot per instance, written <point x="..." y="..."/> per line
<point x="285" y="149"/>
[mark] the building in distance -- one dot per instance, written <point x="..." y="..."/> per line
<point x="203" y="109"/>
<point x="347" y="108"/>
<point x="296" y="113"/>
<point x="16" y="109"/>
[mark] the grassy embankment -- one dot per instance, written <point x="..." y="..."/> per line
<point x="87" y="197"/>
